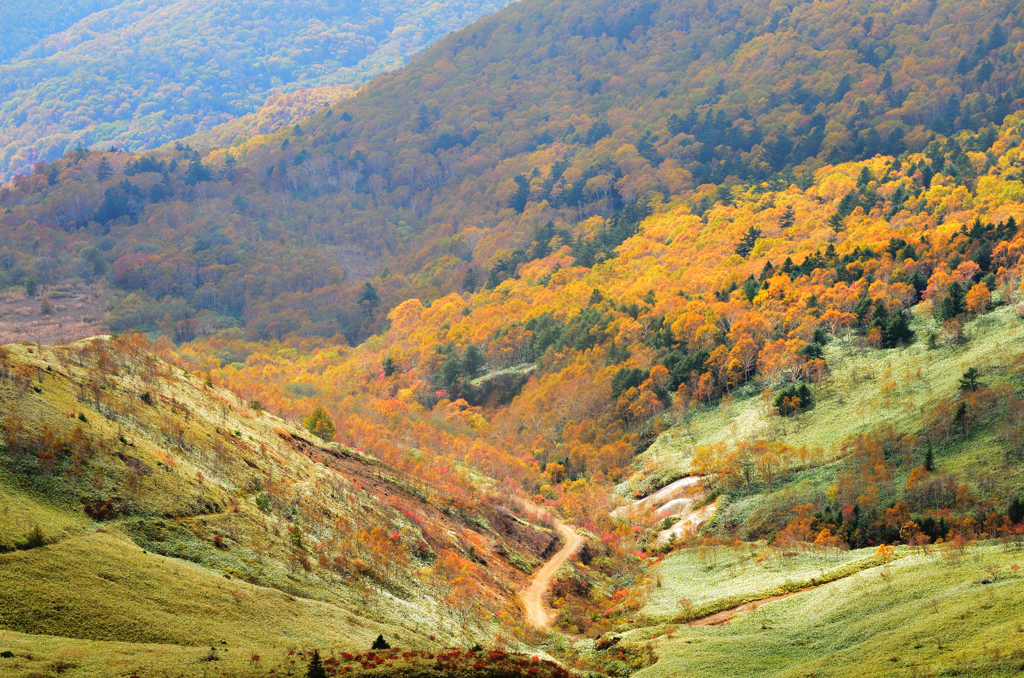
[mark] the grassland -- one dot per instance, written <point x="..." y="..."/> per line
<point x="921" y="615"/>
<point x="32" y="656"/>
<point x="712" y="579"/>
<point x="845" y="613"/>
<point x="867" y="388"/>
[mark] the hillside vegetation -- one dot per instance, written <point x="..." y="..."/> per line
<point x="584" y="251"/>
<point x="24" y="22"/>
<point x="136" y="75"/>
<point x="545" y="112"/>
<point x="588" y="116"/>
<point x="185" y="517"/>
<point x="920" y="614"/>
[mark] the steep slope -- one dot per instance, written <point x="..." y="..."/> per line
<point x="587" y="116"/>
<point x="136" y="74"/>
<point x="137" y="482"/>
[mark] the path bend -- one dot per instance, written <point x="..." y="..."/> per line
<point x="538" y="614"/>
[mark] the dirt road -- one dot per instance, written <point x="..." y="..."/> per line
<point x="538" y="615"/>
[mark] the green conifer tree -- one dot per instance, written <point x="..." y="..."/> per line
<point x="316" y="667"/>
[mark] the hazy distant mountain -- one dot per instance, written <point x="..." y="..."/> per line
<point x="137" y="74"/>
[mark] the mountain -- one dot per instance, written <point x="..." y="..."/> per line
<point x="587" y="116"/>
<point x="136" y="75"/>
<point x="734" y="290"/>
<point x="25" y="23"/>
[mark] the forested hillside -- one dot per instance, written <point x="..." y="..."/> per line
<point x="841" y="361"/>
<point x="736" y="288"/>
<point x="585" y="116"/>
<point x="135" y="74"/>
<point x="25" y="22"/>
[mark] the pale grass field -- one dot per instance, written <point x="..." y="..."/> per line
<point x="704" y="576"/>
<point x="920" y="615"/>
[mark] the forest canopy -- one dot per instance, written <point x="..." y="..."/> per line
<point x="136" y="75"/>
<point x="543" y="127"/>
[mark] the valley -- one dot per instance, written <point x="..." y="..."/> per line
<point x="533" y="339"/>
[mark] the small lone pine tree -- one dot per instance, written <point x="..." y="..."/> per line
<point x="316" y="667"/>
<point x="970" y="381"/>
<point x="380" y="643"/>
<point x="960" y="417"/>
<point x="929" y="459"/>
<point x="319" y="424"/>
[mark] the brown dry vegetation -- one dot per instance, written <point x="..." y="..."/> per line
<point x="77" y="312"/>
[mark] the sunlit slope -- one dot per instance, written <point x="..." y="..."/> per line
<point x="142" y="505"/>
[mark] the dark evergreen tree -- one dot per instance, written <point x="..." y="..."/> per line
<point x="1016" y="510"/>
<point x="751" y="287"/>
<point x="369" y="295"/>
<point x="316" y="667"/>
<point x="469" y="281"/>
<point x="473" y="361"/>
<point x="970" y="381"/>
<point x="197" y="172"/>
<point x="960" y="417"/>
<point x="929" y="458"/>
<point x="896" y="331"/>
<point x="380" y="643"/>
<point x="451" y="373"/>
<point x="954" y="303"/>
<point x="788" y="218"/>
<point x="104" y="171"/>
<point x="844" y="86"/>
<point x="522" y="194"/>
<point x="747" y="242"/>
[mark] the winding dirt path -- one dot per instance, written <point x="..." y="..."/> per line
<point x="538" y="615"/>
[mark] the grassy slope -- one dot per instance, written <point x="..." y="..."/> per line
<point x="855" y="397"/>
<point x="717" y="578"/>
<point x="867" y="389"/>
<point x="122" y="593"/>
<point x="925" y="616"/>
<point x="35" y="656"/>
<point x="96" y="582"/>
<point x="862" y="624"/>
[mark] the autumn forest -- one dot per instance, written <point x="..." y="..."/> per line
<point x="730" y="291"/>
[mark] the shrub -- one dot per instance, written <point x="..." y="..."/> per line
<point x="104" y="509"/>
<point x="380" y="643"/>
<point x="33" y="539"/>
<point x="794" y="399"/>
<point x="263" y="502"/>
